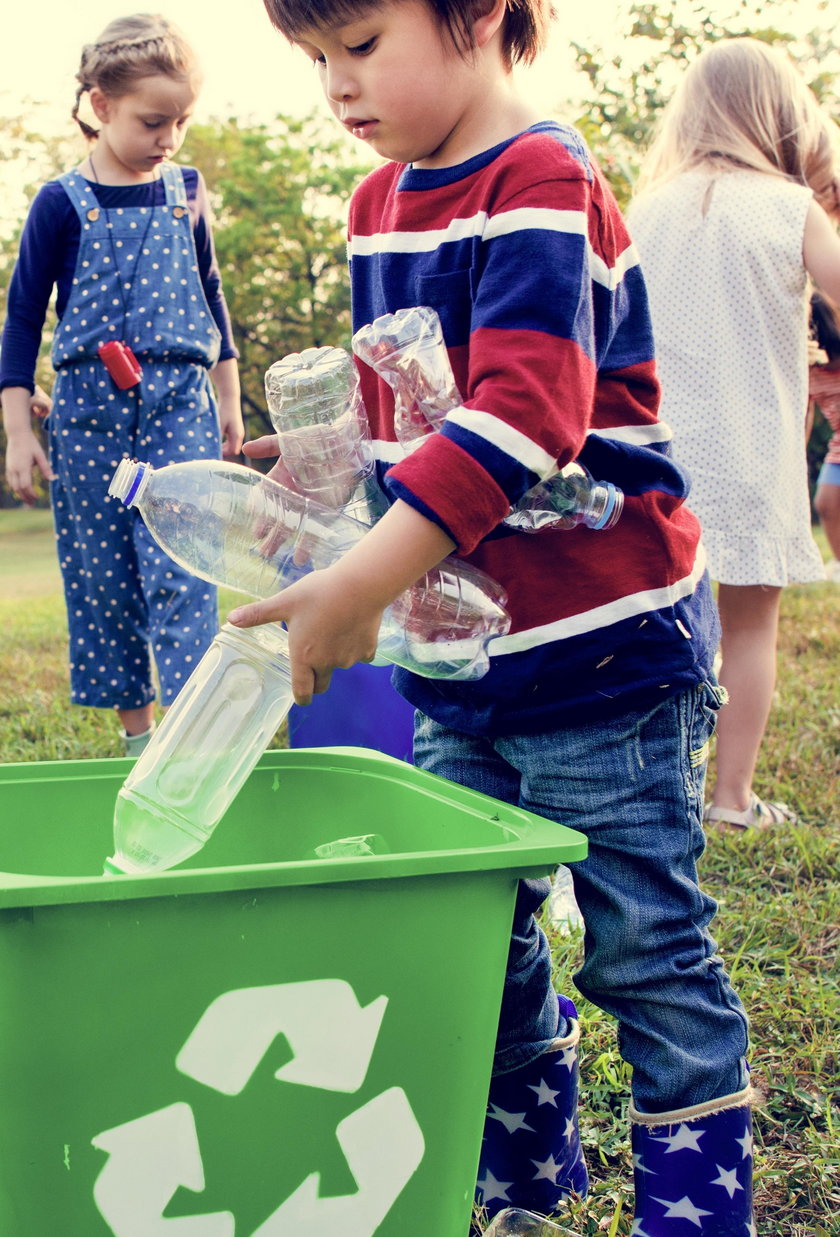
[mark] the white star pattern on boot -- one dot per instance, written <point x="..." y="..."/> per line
<point x="544" y="1093"/>
<point x="728" y="1179"/>
<point x="684" y="1137"/>
<point x="512" y="1121"/>
<point x="568" y="1057"/>
<point x="547" y="1170"/>
<point x="637" y="1163"/>
<point x="684" y="1209"/>
<point x="637" y="1230"/>
<point x="746" y="1144"/>
<point x="491" y="1188"/>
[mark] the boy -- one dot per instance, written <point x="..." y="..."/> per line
<point x="598" y="706"/>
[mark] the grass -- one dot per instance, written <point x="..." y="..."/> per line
<point x="36" y="720"/>
<point x="778" y="926"/>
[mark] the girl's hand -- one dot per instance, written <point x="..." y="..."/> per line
<point x="263" y="449"/>
<point x="41" y="404"/>
<point x="23" y="454"/>
<point x="232" y="427"/>
<point x="331" y="621"/>
<point x="225" y="376"/>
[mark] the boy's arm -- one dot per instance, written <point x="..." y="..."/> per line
<point x="333" y="615"/>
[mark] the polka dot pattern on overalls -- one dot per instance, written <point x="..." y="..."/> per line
<point x="137" y="280"/>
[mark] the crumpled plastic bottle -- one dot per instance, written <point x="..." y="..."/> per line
<point x="407" y="350"/>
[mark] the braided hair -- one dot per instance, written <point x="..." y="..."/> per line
<point x="129" y="48"/>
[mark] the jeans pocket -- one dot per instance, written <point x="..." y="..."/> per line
<point x="708" y="698"/>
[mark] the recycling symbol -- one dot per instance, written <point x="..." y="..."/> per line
<point x="151" y="1157"/>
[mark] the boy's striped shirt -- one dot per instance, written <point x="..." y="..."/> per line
<point x="524" y="255"/>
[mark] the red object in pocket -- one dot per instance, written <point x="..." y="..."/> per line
<point x="121" y="363"/>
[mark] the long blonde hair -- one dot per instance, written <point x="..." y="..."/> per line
<point x="129" y="48"/>
<point x="743" y="103"/>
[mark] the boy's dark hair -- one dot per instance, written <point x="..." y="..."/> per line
<point x="825" y="319"/>
<point x="524" y="34"/>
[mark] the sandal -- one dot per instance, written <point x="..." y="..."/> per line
<point x="759" y="815"/>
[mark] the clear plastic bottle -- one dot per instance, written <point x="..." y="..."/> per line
<point x="562" y="909"/>
<point x="571" y="497"/>
<point x="209" y="741"/>
<point x="407" y="350"/>
<point x="513" y="1222"/>
<point x="315" y="404"/>
<point x="234" y="527"/>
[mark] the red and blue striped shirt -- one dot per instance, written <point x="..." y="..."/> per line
<point x="524" y="254"/>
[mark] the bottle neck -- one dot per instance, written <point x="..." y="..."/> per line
<point x="138" y="485"/>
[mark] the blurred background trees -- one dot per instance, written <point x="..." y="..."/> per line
<point x="280" y="190"/>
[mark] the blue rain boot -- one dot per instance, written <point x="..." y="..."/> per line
<point x="530" y="1154"/>
<point x="693" y="1170"/>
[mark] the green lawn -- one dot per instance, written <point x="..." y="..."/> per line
<point x="28" y="564"/>
<point x="779" y="893"/>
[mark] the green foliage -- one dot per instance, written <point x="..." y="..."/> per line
<point x="280" y="191"/>
<point x="628" y="90"/>
<point x="280" y="194"/>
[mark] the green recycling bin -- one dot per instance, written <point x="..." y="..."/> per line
<point x="290" y="1036"/>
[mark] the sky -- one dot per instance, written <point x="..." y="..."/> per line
<point x="249" y="69"/>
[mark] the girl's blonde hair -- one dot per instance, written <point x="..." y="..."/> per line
<point x="744" y="103"/>
<point x="129" y="48"/>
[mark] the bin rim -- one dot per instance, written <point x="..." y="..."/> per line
<point x="533" y="847"/>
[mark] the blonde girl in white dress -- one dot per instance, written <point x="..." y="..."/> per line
<point x="734" y="215"/>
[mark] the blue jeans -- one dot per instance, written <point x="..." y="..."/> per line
<point x="634" y="786"/>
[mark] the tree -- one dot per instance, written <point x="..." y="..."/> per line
<point x="28" y="159"/>
<point x="628" y="90"/>
<point x="280" y="196"/>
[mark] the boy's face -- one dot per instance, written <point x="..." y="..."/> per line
<point x="395" y="80"/>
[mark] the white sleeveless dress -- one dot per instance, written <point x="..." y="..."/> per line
<point x="722" y="259"/>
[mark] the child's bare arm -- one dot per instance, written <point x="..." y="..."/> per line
<point x="23" y="448"/>
<point x="333" y="615"/>
<point x="821" y="251"/>
<point x="225" y="376"/>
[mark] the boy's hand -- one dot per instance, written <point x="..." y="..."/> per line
<point x="330" y="622"/>
<point x="333" y="615"/>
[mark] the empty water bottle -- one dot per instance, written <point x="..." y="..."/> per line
<point x="562" y="909"/>
<point x="407" y="350"/>
<point x="234" y="527"/>
<point x="209" y="741"/>
<point x="570" y="497"/>
<point x="316" y="408"/>
<point x="513" y="1222"/>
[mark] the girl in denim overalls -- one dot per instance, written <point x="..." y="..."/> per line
<point x="126" y="238"/>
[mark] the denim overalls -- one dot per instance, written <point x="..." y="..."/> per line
<point x="137" y="280"/>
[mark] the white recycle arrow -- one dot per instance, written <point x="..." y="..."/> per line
<point x="148" y="1159"/>
<point x="383" y="1145"/>
<point x="237" y="1029"/>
